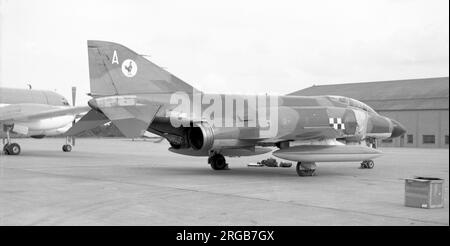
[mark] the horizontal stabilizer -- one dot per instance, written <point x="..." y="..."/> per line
<point x="89" y="121"/>
<point x="132" y="120"/>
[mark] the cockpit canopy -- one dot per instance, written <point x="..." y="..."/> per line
<point x="352" y="103"/>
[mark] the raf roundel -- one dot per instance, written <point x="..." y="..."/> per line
<point x="129" y="68"/>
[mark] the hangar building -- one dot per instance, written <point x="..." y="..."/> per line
<point x="421" y="105"/>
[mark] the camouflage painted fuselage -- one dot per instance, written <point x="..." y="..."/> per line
<point x="297" y="118"/>
<point x="137" y="95"/>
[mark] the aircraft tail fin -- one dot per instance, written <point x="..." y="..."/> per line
<point x="116" y="70"/>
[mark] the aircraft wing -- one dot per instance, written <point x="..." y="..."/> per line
<point x="14" y="113"/>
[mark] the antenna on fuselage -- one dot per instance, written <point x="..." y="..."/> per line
<point x="74" y="95"/>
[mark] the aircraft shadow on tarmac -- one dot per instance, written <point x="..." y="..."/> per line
<point x="235" y="172"/>
<point x="238" y="170"/>
<point x="51" y="154"/>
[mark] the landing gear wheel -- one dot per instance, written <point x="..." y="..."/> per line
<point x="306" y="169"/>
<point x="367" y="164"/>
<point x="5" y="149"/>
<point x="67" y="148"/>
<point x="12" y="149"/>
<point x="218" y="162"/>
<point x="363" y="165"/>
<point x="175" y="146"/>
<point x="306" y="173"/>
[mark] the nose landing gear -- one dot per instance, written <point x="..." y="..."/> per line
<point x="70" y="141"/>
<point x="10" y="148"/>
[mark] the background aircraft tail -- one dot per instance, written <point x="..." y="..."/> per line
<point x="116" y="70"/>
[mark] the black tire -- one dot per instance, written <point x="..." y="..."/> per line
<point x="304" y="172"/>
<point x="5" y="149"/>
<point x="218" y="162"/>
<point x="370" y="164"/>
<point x="297" y="169"/>
<point x="175" y="146"/>
<point x="13" y="149"/>
<point x="364" y="165"/>
<point x="67" y="148"/>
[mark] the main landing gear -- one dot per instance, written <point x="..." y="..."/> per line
<point x="367" y="164"/>
<point x="10" y="148"/>
<point x="306" y="168"/>
<point x="217" y="162"/>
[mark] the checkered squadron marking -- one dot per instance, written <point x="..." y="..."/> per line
<point x="337" y="124"/>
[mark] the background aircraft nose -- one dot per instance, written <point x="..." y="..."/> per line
<point x="398" y="129"/>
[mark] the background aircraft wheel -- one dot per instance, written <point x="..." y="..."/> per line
<point x="12" y="149"/>
<point x="218" y="162"/>
<point x="67" y="148"/>
<point x="5" y="149"/>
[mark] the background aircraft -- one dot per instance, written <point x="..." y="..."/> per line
<point x="136" y="96"/>
<point x="36" y="114"/>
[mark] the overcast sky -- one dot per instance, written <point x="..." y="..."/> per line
<point x="228" y="46"/>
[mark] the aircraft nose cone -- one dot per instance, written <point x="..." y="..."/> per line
<point x="398" y="129"/>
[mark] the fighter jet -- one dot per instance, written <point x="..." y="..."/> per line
<point x="138" y="96"/>
<point x="36" y="114"/>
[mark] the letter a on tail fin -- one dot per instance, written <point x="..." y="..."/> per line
<point x="116" y="70"/>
